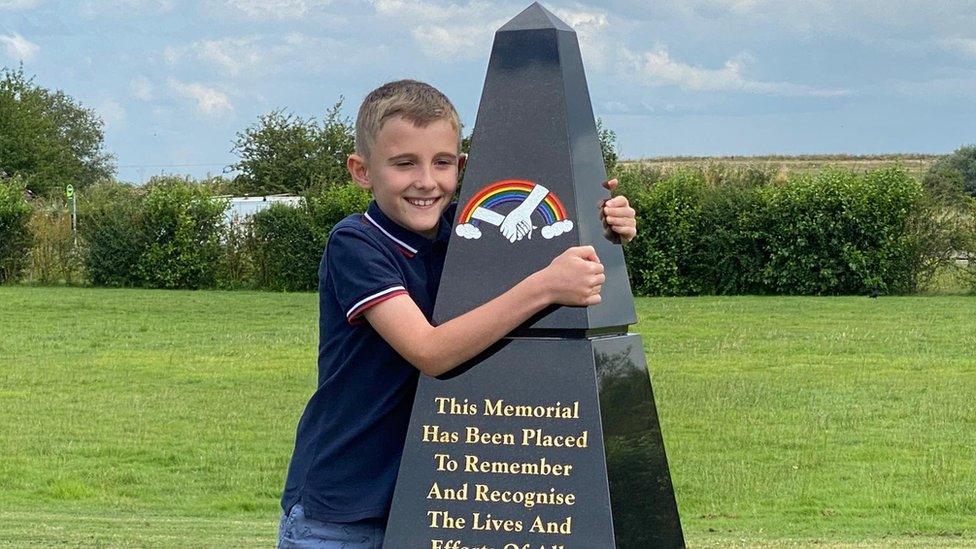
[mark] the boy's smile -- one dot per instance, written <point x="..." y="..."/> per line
<point x="412" y="172"/>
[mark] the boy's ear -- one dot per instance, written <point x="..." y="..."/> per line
<point x="462" y="161"/>
<point x="356" y="165"/>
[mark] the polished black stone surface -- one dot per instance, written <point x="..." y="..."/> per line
<point x="535" y="128"/>
<point x="645" y="513"/>
<point x="604" y="380"/>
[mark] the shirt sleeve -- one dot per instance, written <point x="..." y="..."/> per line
<point x="363" y="273"/>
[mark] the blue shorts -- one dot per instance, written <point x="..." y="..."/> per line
<point x="297" y="530"/>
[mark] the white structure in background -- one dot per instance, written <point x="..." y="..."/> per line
<point x="240" y="208"/>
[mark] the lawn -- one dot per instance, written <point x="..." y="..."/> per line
<point x="165" y="418"/>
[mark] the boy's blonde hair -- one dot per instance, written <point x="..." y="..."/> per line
<point x="415" y="101"/>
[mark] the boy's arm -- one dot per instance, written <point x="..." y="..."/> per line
<point x="574" y="278"/>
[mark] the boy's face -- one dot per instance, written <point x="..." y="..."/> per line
<point x="412" y="172"/>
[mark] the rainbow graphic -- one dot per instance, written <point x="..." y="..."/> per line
<point x="512" y="191"/>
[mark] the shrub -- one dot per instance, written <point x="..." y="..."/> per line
<point x="961" y="164"/>
<point x="181" y="223"/>
<point x="710" y="230"/>
<point x="237" y="269"/>
<point x="840" y="233"/>
<point x="289" y="241"/>
<point x="663" y="255"/>
<point x="944" y="183"/>
<point x="54" y="257"/>
<point x="732" y="240"/>
<point x="111" y="227"/>
<point x="15" y="236"/>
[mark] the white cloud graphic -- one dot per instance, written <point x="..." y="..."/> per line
<point x="469" y="231"/>
<point x="557" y="228"/>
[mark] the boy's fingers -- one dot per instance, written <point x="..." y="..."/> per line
<point x="610" y="185"/>
<point x="588" y="253"/>
<point x="625" y="211"/>
<point x="616" y="221"/>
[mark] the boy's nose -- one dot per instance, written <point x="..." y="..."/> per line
<point x="426" y="181"/>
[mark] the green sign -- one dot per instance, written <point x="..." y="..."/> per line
<point x="69" y="191"/>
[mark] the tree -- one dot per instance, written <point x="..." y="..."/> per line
<point x="285" y="153"/>
<point x="953" y="176"/>
<point x="15" y="236"/>
<point x="48" y="138"/>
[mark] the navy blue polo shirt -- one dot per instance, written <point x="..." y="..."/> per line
<point x="351" y="434"/>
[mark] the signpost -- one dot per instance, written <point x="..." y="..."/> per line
<point x="69" y="192"/>
<point x="550" y="438"/>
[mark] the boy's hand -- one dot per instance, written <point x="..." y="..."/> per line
<point x="618" y="216"/>
<point x="575" y="277"/>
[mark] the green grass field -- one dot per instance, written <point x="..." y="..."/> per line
<point x="163" y="418"/>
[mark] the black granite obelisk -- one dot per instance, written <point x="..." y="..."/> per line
<point x="550" y="438"/>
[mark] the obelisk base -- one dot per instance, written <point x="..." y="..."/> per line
<point x="528" y="448"/>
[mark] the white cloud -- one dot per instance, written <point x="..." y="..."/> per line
<point x="435" y="27"/>
<point x="231" y="55"/>
<point x="141" y="88"/>
<point x="615" y="107"/>
<point x="208" y="100"/>
<point x="961" y="45"/>
<point x="422" y="10"/>
<point x="274" y="9"/>
<point x="591" y="30"/>
<point x="930" y="89"/>
<point x="657" y="68"/>
<point x="18" y="4"/>
<point x="447" y="42"/>
<point x="117" y="8"/>
<point x="173" y="54"/>
<point x="258" y="55"/>
<point x="18" y="47"/>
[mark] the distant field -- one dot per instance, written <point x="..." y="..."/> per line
<point x="917" y="164"/>
<point x="149" y="418"/>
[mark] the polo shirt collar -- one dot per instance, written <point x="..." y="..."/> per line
<point x="401" y="236"/>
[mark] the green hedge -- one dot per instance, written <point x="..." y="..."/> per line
<point x="835" y="232"/>
<point x="165" y="235"/>
<point x="288" y="241"/>
<point x="110" y="224"/>
<point x="15" y="235"/>
<point x="171" y="234"/>
<point x="709" y="230"/>
<point x="181" y="224"/>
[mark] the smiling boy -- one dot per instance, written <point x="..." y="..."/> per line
<point x="377" y="284"/>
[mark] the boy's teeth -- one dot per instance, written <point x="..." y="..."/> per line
<point x="426" y="202"/>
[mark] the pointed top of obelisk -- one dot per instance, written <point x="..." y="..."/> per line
<point x="533" y="183"/>
<point x="535" y="17"/>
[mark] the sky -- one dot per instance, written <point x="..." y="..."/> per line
<point x="175" y="81"/>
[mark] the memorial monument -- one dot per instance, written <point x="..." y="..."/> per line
<point x="550" y="438"/>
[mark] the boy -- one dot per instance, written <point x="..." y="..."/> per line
<point x="377" y="283"/>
